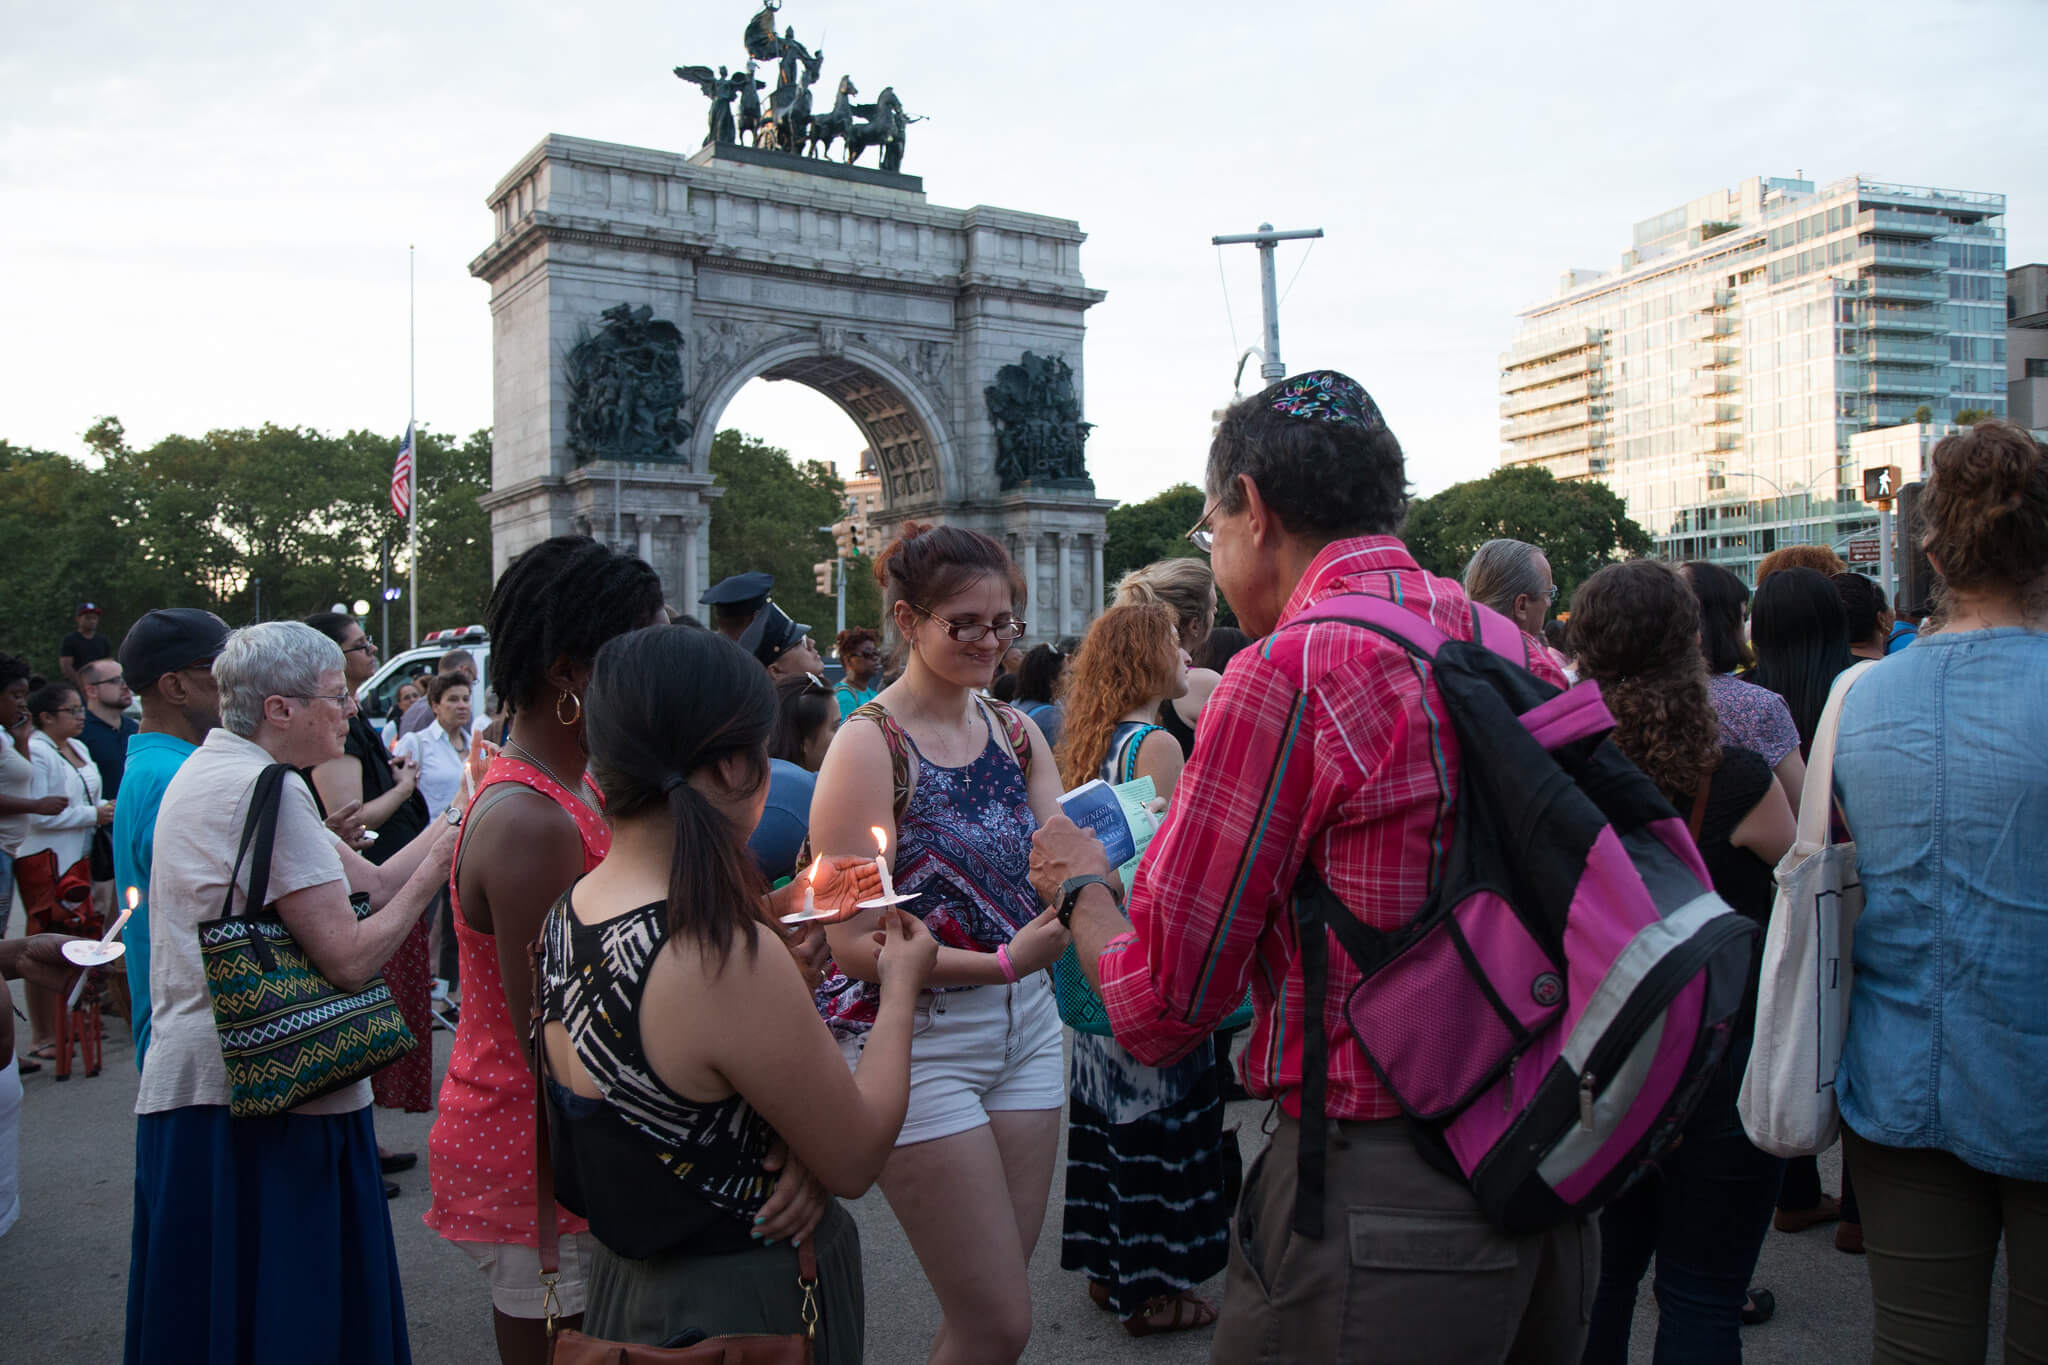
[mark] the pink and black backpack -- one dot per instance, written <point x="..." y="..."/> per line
<point x="1551" y="1016"/>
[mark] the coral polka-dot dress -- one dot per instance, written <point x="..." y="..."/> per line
<point x="480" y="1153"/>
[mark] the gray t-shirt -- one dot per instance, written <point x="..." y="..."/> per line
<point x="198" y="828"/>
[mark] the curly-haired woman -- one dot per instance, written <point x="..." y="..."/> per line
<point x="1944" y="780"/>
<point x="1635" y="628"/>
<point x="1146" y="1219"/>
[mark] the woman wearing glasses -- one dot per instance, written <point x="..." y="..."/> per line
<point x="954" y="785"/>
<point x="56" y="843"/>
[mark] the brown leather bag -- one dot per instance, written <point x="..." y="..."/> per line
<point x="568" y="1347"/>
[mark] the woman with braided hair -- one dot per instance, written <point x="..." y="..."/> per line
<point x="1636" y="630"/>
<point x="533" y="827"/>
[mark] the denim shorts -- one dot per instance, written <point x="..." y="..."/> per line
<point x="977" y="1051"/>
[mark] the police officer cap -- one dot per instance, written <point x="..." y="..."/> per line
<point x="741" y="588"/>
<point x="771" y="633"/>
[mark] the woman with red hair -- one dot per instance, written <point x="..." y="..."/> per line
<point x="1146" y="1217"/>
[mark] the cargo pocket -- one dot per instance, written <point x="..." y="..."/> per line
<point x="1429" y="1285"/>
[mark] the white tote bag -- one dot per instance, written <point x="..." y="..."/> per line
<point x="1802" y="1008"/>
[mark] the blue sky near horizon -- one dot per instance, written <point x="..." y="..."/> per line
<point x="208" y="207"/>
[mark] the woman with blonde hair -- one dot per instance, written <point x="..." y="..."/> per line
<point x="1146" y="1217"/>
<point x="1189" y="588"/>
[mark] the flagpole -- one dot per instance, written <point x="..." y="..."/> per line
<point x="412" y="591"/>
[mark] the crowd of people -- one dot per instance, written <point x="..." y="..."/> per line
<point x="740" y="943"/>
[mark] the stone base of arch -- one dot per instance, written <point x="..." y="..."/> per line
<point x="899" y="310"/>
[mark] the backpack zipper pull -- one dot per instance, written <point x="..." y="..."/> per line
<point x="1586" y="1101"/>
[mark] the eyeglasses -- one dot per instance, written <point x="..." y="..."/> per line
<point x="360" y="647"/>
<point x="116" y="681"/>
<point x="70" y="711"/>
<point x="1200" y="536"/>
<point x="969" y="632"/>
<point x="342" y="699"/>
<point x="817" y="682"/>
<point x="1551" y="595"/>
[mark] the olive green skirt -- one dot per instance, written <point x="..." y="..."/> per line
<point x="653" y="1302"/>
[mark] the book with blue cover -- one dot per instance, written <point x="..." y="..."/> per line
<point x="1095" y="807"/>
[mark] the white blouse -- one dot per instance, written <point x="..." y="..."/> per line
<point x="440" y="764"/>
<point x="69" y="831"/>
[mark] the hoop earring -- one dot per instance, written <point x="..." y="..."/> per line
<point x="566" y="695"/>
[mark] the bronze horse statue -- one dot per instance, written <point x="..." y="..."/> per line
<point x="838" y="122"/>
<point x="886" y="127"/>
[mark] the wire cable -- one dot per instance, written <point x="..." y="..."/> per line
<point x="1297" y="271"/>
<point x="1228" y="315"/>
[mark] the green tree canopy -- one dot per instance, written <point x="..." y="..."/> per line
<point x="1578" y="526"/>
<point x="1140" y="532"/>
<point x="199" y="521"/>
<point x="769" y="517"/>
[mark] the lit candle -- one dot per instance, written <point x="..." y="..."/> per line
<point x="882" y="861"/>
<point x="810" y="886"/>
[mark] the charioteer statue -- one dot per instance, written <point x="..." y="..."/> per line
<point x="785" y="123"/>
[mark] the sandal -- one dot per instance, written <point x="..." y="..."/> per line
<point x="1759" y="1307"/>
<point x="1189" y="1310"/>
<point x="27" y="1066"/>
<point x="46" y="1052"/>
<point x="1098" y="1292"/>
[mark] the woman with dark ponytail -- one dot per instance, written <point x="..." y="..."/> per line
<point x="1943" y="777"/>
<point x="954" y="787"/>
<point x="682" y="1044"/>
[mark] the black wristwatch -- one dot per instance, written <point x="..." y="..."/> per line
<point x="1070" y="892"/>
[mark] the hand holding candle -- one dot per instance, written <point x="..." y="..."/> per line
<point x="90" y="955"/>
<point x="831" y="887"/>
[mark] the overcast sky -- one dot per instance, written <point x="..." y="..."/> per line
<point x="205" y="209"/>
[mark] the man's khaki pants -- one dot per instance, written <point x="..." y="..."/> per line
<point x="1408" y="1268"/>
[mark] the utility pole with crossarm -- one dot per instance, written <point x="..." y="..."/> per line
<point x="1270" y="366"/>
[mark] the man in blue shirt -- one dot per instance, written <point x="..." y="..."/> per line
<point x="107" y="722"/>
<point x="168" y="659"/>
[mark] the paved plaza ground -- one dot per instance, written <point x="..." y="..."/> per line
<point x="65" y="1264"/>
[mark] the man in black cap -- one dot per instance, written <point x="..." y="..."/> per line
<point x="168" y="659"/>
<point x="736" y="601"/>
<point x="785" y="646"/>
<point x="84" y="645"/>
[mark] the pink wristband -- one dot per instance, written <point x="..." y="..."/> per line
<point x="1003" y="961"/>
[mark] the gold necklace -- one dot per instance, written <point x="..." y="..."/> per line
<point x="534" y="759"/>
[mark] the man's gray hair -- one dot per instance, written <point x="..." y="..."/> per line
<point x="1502" y="570"/>
<point x="274" y="659"/>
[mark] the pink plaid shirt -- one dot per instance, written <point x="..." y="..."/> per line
<point x="1320" y="739"/>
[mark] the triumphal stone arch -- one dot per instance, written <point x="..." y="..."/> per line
<point x="634" y="292"/>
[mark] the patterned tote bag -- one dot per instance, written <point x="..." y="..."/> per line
<point x="287" y="1033"/>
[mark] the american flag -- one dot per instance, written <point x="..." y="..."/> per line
<point x="401" y="477"/>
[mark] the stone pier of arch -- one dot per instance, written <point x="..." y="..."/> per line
<point x="849" y="282"/>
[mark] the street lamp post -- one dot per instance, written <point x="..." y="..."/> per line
<point x="1721" y="471"/>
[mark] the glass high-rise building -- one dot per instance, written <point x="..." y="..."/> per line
<point x="1715" y="378"/>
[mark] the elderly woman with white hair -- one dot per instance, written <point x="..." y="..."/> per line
<point x="259" y="1238"/>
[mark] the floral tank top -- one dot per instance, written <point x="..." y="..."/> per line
<point x="480" y="1152"/>
<point x="964" y="843"/>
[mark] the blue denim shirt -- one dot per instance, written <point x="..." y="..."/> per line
<point x="1943" y="772"/>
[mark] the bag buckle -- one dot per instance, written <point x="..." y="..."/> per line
<point x="810" y="1308"/>
<point x="550" y="1309"/>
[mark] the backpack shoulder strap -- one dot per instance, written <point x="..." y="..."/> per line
<point x="1010" y="721"/>
<point x="1499" y="634"/>
<point x="1413" y="633"/>
<point x="898" y="741"/>
<point x="1127" y="764"/>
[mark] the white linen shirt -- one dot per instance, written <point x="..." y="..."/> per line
<point x="440" y="764"/>
<point x="69" y="831"/>
<point x="198" y="829"/>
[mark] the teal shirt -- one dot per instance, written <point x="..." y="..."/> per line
<point x="153" y="760"/>
<point x="852" y="698"/>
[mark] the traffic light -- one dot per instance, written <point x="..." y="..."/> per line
<point x="843" y="536"/>
<point x="1916" y="575"/>
<point x="822" y="577"/>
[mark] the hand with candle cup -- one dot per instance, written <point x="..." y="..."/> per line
<point x="347" y="824"/>
<point x="837" y="882"/>
<point x="813" y="953"/>
<point x="39" y="959"/>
